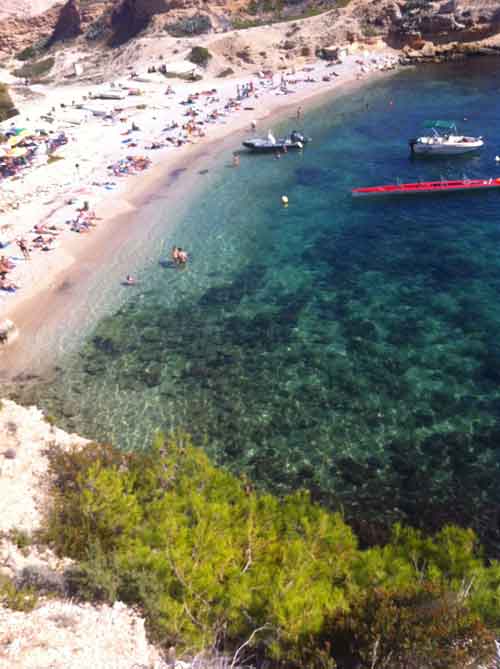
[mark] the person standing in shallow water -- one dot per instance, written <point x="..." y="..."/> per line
<point x="179" y="256"/>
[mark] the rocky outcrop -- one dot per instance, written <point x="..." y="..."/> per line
<point x="62" y="634"/>
<point x="407" y="22"/>
<point x="61" y="21"/>
<point x="58" y="632"/>
<point x="17" y="33"/>
<point x="24" y="438"/>
<point x="69" y="23"/>
<point x="446" y="22"/>
<point x="440" y="53"/>
<point x="132" y="16"/>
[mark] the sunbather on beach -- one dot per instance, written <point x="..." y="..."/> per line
<point x="5" y="284"/>
<point x="7" y="263"/>
<point x="40" y="229"/>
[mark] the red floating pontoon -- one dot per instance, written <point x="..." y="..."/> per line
<point x="428" y="187"/>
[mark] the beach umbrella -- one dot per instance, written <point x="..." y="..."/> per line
<point x="18" y="152"/>
<point x="19" y="137"/>
<point x="13" y="141"/>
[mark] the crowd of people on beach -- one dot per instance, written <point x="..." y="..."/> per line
<point x="244" y="91"/>
<point x="43" y="237"/>
<point x="21" y="148"/>
<point x="130" y="165"/>
<point x="201" y="109"/>
<point x="188" y="121"/>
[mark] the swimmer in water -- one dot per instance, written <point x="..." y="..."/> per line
<point x="182" y="257"/>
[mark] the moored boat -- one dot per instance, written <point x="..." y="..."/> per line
<point x="443" y="186"/>
<point x="270" y="144"/>
<point x="444" y="141"/>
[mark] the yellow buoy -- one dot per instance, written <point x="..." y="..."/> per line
<point x="284" y="200"/>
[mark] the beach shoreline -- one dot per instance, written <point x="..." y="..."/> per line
<point x="60" y="286"/>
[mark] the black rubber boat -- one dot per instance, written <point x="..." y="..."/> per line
<point x="269" y="144"/>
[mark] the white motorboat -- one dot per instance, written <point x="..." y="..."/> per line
<point x="444" y="141"/>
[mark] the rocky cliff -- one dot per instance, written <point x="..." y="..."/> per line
<point x="17" y="32"/>
<point x="412" y="21"/>
<point x="105" y="23"/>
<point x="132" y="16"/>
<point x="69" y="22"/>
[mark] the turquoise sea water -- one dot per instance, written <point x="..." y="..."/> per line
<point x="350" y="347"/>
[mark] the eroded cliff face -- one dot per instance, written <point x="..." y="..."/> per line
<point x="130" y="17"/>
<point x="412" y="21"/>
<point x="69" y="22"/>
<point x="17" y="33"/>
<point x="61" y="21"/>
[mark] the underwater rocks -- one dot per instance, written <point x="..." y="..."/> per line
<point x="310" y="176"/>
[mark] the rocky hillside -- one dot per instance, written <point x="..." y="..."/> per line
<point x="421" y="20"/>
<point x="24" y="8"/>
<point x="110" y="23"/>
<point x="113" y="22"/>
<point x="99" y="40"/>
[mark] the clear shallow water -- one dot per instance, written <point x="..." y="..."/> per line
<point x="349" y="347"/>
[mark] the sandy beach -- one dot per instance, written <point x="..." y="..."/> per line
<point x="54" y="284"/>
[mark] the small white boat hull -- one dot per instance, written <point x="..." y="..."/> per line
<point x="439" y="146"/>
<point x="446" y="150"/>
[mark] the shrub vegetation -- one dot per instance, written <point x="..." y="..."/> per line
<point x="226" y="72"/>
<point x="26" y="54"/>
<point x="7" y="109"/>
<point x="16" y="598"/>
<point x="213" y="563"/>
<point x="35" y="50"/>
<point x="199" y="55"/>
<point x="190" y="26"/>
<point x="35" y="70"/>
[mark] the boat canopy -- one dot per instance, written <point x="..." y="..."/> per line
<point x="440" y="125"/>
